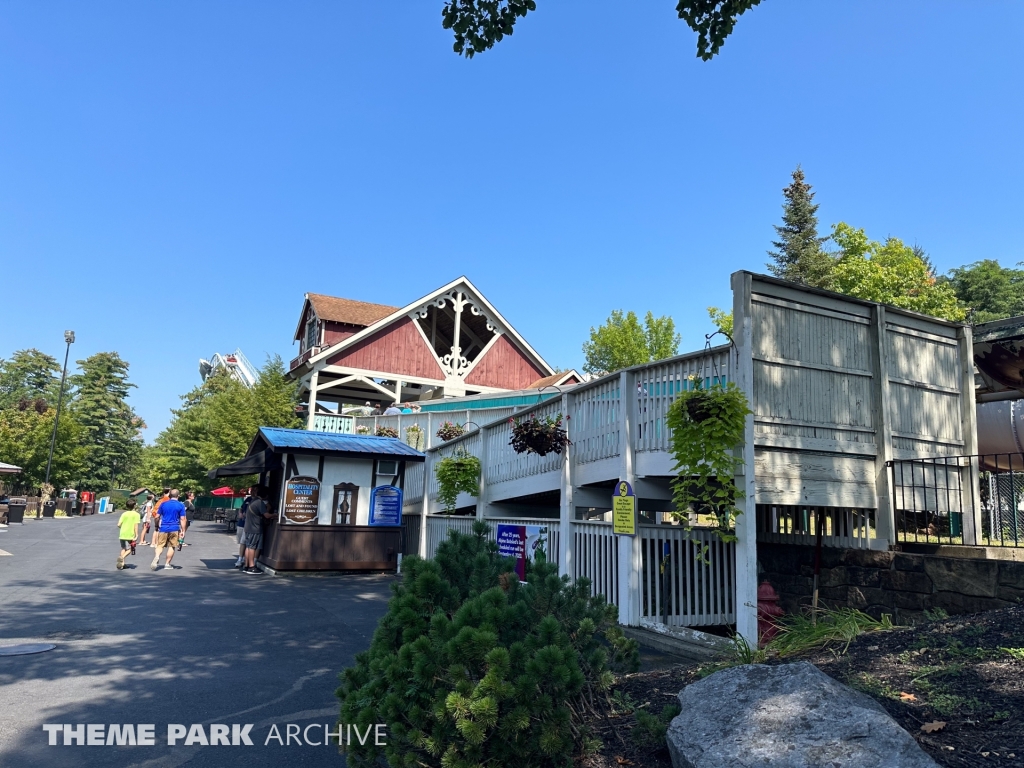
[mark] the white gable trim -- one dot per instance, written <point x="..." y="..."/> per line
<point x="409" y="308"/>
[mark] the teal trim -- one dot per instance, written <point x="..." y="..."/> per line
<point x="495" y="402"/>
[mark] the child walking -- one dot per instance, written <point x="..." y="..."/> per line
<point x="128" y="531"/>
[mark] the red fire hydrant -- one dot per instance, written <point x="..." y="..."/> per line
<point x="768" y="611"/>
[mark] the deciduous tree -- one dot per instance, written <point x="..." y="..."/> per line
<point x="479" y="24"/>
<point x="622" y="342"/>
<point x="988" y="290"/>
<point x="25" y="442"/>
<point x="890" y="273"/>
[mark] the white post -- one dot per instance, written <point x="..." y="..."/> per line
<point x="398" y="394"/>
<point x="566" y="511"/>
<point x="970" y="504"/>
<point x="628" y="546"/>
<point x="312" y="399"/>
<point x="481" y="499"/>
<point x="746" y="523"/>
<point x="885" y="515"/>
<point x="428" y="467"/>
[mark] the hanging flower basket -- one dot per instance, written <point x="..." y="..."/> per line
<point x="450" y="430"/>
<point x="456" y="474"/>
<point x="386" y="432"/>
<point x="540" y="436"/>
<point x="700" y="405"/>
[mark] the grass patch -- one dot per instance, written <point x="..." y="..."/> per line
<point x="871" y="685"/>
<point x="1014" y="653"/>
<point x="833" y="628"/>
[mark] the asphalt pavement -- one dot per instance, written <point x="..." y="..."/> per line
<point x="200" y="645"/>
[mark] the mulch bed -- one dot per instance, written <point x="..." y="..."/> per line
<point x="952" y="671"/>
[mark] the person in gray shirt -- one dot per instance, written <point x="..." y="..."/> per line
<point x="254" y="516"/>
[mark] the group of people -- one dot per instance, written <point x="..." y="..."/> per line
<point x="396" y="409"/>
<point x="165" y="521"/>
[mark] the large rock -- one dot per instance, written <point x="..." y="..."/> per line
<point x="786" y="716"/>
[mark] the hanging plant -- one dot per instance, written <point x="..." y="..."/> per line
<point x="540" y="436"/>
<point x="450" y="430"/>
<point x="414" y="437"/>
<point x="459" y="473"/>
<point x="707" y="425"/>
<point x="386" y="432"/>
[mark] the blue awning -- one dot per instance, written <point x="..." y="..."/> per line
<point x="280" y="440"/>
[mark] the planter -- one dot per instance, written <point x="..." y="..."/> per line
<point x="698" y="406"/>
<point x="15" y="513"/>
<point x="540" y="436"/>
<point x="49" y="508"/>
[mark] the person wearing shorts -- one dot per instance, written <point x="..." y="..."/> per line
<point x="254" y="516"/>
<point x="147" y="519"/>
<point x="173" y="523"/>
<point x="127" y="532"/>
<point x="240" y="532"/>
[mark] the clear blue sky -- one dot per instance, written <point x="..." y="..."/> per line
<point x="173" y="176"/>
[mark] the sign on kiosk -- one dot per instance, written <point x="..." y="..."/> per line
<point x="301" y="500"/>
<point x="624" y="510"/>
<point x="386" y="505"/>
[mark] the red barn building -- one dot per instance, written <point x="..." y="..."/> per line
<point x="451" y="342"/>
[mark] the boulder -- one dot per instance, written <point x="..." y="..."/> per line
<point x="786" y="716"/>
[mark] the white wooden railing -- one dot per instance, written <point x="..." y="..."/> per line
<point x="840" y="526"/>
<point x="596" y="557"/>
<point x="697" y="586"/>
<point x="334" y="423"/>
<point x="439" y="525"/>
<point x="504" y="464"/>
<point x="595" y="424"/>
<point x="657" y="386"/>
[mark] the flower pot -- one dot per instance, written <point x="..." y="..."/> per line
<point x="698" y="407"/>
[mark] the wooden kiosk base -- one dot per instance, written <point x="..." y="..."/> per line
<point x="331" y="547"/>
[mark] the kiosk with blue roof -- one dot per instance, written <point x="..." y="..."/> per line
<point x="337" y="498"/>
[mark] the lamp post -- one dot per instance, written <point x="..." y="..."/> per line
<point x="69" y="338"/>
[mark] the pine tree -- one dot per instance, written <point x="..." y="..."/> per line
<point x="28" y="375"/>
<point x="799" y="255"/>
<point x="110" y="428"/>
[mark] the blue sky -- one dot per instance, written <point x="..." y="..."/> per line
<point x="174" y="176"/>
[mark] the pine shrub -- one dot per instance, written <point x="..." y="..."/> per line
<point x="471" y="667"/>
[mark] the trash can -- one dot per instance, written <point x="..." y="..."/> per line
<point x="89" y="508"/>
<point x="49" y="507"/>
<point x="15" y="513"/>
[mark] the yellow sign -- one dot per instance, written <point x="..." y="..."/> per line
<point x="624" y="510"/>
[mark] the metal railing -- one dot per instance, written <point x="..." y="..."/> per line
<point x="939" y="500"/>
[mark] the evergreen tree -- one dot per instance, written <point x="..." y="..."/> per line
<point x="110" y="428"/>
<point x="28" y="375"/>
<point x="799" y="255"/>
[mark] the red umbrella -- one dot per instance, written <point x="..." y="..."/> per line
<point x="225" y="491"/>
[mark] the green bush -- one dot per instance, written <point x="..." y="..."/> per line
<point x="470" y="667"/>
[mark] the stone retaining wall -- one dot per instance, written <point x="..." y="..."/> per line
<point x="903" y="584"/>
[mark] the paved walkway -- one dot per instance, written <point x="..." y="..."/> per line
<point x="201" y="644"/>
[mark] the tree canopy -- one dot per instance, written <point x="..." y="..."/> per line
<point x="479" y="24"/>
<point x="889" y="273"/>
<point x="28" y="375"/>
<point x="988" y="290"/>
<point x="622" y="342"/>
<point x="25" y="442"/>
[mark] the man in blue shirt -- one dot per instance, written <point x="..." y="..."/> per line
<point x="172" y="524"/>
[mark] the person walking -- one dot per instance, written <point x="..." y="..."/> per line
<point x="128" y="531"/>
<point x="254" y="517"/>
<point x="147" y="518"/>
<point x="190" y="508"/>
<point x="156" y="514"/>
<point x="173" y="523"/>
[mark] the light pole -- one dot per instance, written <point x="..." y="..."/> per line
<point x="69" y="337"/>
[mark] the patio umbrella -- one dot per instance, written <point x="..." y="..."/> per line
<point x="9" y="469"/>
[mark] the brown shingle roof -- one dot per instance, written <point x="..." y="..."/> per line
<point x="347" y="310"/>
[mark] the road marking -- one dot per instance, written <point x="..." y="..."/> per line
<point x="8" y="554"/>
